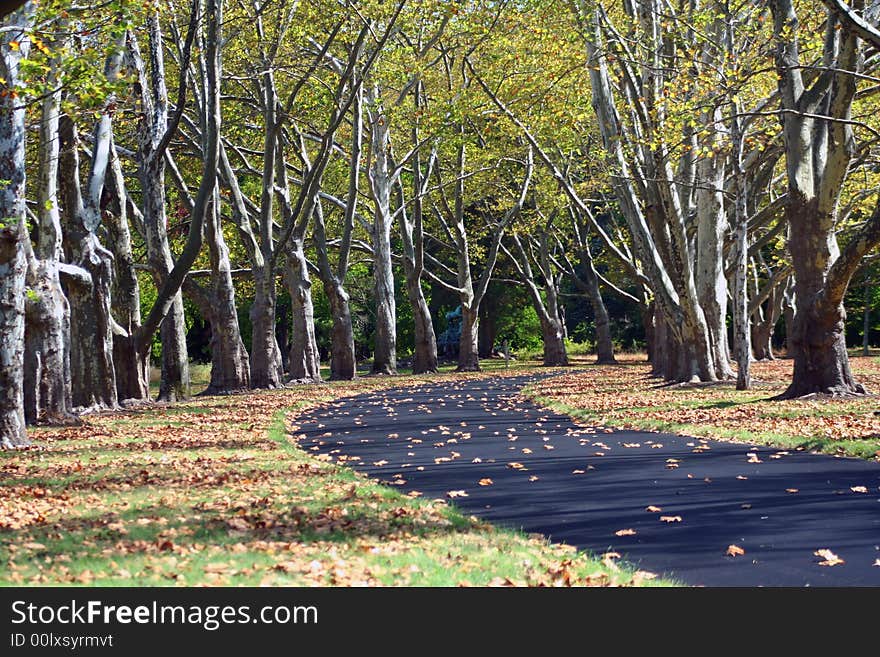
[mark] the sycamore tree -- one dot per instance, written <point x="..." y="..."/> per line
<point x="820" y="139"/>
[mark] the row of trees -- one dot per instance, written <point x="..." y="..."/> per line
<point x="703" y="161"/>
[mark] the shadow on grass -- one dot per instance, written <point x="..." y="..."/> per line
<point x="172" y="444"/>
<point x="155" y="529"/>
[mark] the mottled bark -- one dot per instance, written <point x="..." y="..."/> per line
<point x="132" y="366"/>
<point x="554" y="344"/>
<point x="468" y="349"/>
<point x="47" y="387"/>
<point x="266" y="366"/>
<point x="13" y="233"/>
<point x="381" y="178"/>
<point x="343" y="364"/>
<point x="230" y="369"/>
<point x="92" y="370"/>
<point x="13" y="268"/>
<point x="742" y="346"/>
<point x="818" y="338"/>
<point x="304" y="360"/>
<point x="93" y="375"/>
<point x="153" y="131"/>
<point x="818" y="154"/>
<point x="412" y="238"/>
<point x="48" y="396"/>
<point x="712" y="225"/>
<point x="867" y="291"/>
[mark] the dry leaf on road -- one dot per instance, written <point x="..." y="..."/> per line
<point x="828" y="557"/>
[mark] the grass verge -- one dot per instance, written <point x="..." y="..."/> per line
<point x="626" y="396"/>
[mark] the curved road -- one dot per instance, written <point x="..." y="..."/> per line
<point x="582" y="485"/>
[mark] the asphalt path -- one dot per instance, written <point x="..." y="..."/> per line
<point x="668" y="504"/>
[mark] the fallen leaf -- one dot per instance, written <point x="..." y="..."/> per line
<point x="34" y="546"/>
<point x="485" y="481"/>
<point x="238" y="524"/>
<point x="734" y="551"/>
<point x="533" y="478"/>
<point x="828" y="557"/>
<point x="670" y="518"/>
<point x="625" y="532"/>
<point x="858" y="489"/>
<point x="217" y="568"/>
<point x="456" y="493"/>
<point x="608" y="560"/>
<point x="791" y="490"/>
<point x="653" y="509"/>
<point x="516" y="466"/>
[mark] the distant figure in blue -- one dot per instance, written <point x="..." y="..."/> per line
<point x="448" y="341"/>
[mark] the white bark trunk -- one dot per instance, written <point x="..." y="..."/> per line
<point x="12" y="236"/>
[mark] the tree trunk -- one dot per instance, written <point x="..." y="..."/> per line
<point x="555" y="354"/>
<point x="488" y="331"/>
<point x="12" y="284"/>
<point x="266" y="366"/>
<point x="304" y="361"/>
<point x="647" y="312"/>
<point x="343" y="365"/>
<point x="468" y="350"/>
<point x="818" y="339"/>
<point x="174" y="385"/>
<point x="741" y="335"/>
<point x="412" y="239"/>
<point x="604" y="344"/>
<point x="13" y="268"/>
<point x="380" y="177"/>
<point x="789" y="305"/>
<point x="13" y="233"/>
<point x="385" y="348"/>
<point x="92" y="326"/>
<point x="230" y="370"/>
<point x="425" y="356"/>
<point x="818" y="155"/>
<point x="132" y="367"/>
<point x="710" y="279"/>
<point x="47" y="388"/>
<point x="866" y="318"/>
<point x="761" y="338"/>
<point x="93" y="373"/>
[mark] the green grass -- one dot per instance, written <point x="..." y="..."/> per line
<point x="215" y="491"/>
